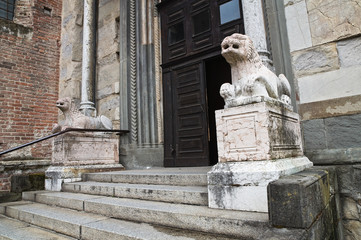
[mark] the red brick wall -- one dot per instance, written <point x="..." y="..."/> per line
<point x="29" y="73"/>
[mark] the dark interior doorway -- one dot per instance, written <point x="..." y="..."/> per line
<point x="218" y="71"/>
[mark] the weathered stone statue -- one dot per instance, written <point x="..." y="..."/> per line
<point x="258" y="135"/>
<point x="250" y="78"/>
<point x="75" y="119"/>
<point x="74" y="154"/>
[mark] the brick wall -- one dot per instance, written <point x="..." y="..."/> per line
<point x="29" y="73"/>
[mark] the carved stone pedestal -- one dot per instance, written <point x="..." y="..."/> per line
<point x="257" y="144"/>
<point x="78" y="153"/>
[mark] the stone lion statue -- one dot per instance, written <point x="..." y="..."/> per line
<point x="250" y="78"/>
<point x="75" y="119"/>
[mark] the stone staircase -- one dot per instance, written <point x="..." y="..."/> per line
<point x="154" y="204"/>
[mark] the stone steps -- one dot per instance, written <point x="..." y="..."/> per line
<point x="197" y="195"/>
<point x="192" y="219"/>
<point x="11" y="229"/>
<point x="196" y="176"/>
<point x="136" y="204"/>
<point x="81" y="225"/>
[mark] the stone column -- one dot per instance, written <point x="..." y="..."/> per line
<point x="255" y="27"/>
<point x="88" y="62"/>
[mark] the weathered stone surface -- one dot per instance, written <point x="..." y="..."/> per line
<point x="343" y="131"/>
<point x="250" y="78"/>
<point x="331" y="20"/>
<point x="350" y="210"/>
<point x="108" y="106"/>
<point x="318" y="59"/>
<point x="326" y="224"/>
<point x="57" y="175"/>
<point x="260" y="131"/>
<point x="301" y="196"/>
<point x="195" y="176"/>
<point x="330" y="108"/>
<point x="108" y="70"/>
<point x="348" y="176"/>
<point x="298" y="27"/>
<point x="14" y="229"/>
<point x="335" y="156"/>
<point x="343" y="82"/>
<point x="349" y="52"/>
<point x="314" y="134"/>
<point x="352" y="230"/>
<point x="219" y="224"/>
<point x="72" y="149"/>
<point x="57" y="219"/>
<point x="196" y="195"/>
<point x="243" y="185"/>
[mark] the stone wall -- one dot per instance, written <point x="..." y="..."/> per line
<point x="325" y="42"/>
<point x="128" y="79"/>
<point x="29" y="69"/>
<point x="107" y="69"/>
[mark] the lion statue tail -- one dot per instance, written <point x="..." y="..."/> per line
<point x="285" y="91"/>
<point x="105" y="123"/>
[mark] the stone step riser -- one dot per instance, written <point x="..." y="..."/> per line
<point x="89" y="226"/>
<point x="188" y="217"/>
<point x="194" y="196"/>
<point x="155" y="179"/>
<point x="54" y="224"/>
<point x="15" y="229"/>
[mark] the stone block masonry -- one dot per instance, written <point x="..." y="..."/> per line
<point x="305" y="200"/>
<point x="29" y="63"/>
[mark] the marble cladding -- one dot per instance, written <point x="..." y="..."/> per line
<point x="72" y="149"/>
<point x="298" y="25"/>
<point x="332" y="20"/>
<point x="343" y="82"/>
<point x="261" y="131"/>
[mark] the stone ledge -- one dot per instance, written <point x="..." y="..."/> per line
<point x="335" y="156"/>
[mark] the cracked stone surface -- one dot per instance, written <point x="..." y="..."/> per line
<point x="331" y="20"/>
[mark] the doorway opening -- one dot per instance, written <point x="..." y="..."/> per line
<point x="218" y="71"/>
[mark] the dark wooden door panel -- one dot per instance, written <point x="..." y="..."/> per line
<point x="190" y="119"/>
<point x="192" y="31"/>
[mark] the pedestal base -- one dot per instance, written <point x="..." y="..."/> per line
<point x="55" y="176"/>
<point x="77" y="153"/>
<point x="257" y="132"/>
<point x="243" y="185"/>
<point x="72" y="149"/>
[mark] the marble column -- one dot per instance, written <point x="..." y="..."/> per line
<point x="255" y="27"/>
<point x="87" y="105"/>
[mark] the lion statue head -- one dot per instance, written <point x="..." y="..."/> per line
<point x="239" y="48"/>
<point x="64" y="104"/>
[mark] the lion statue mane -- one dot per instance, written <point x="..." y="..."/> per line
<point x="250" y="78"/>
<point x="75" y="119"/>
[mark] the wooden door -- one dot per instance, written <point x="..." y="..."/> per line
<point x="192" y="31"/>
<point x="188" y="145"/>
